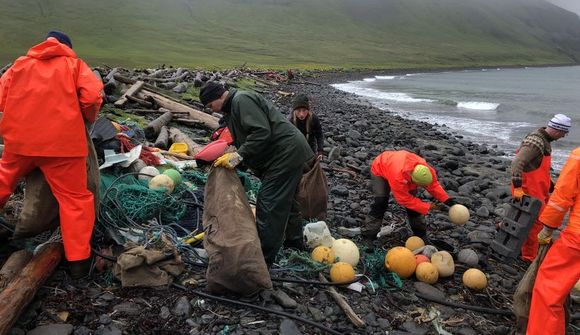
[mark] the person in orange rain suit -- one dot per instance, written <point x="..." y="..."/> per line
<point x="560" y="270"/>
<point x="531" y="172"/>
<point x="45" y="97"/>
<point x="402" y="172"/>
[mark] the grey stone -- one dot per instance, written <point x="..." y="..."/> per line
<point x="288" y="327"/>
<point x="334" y="154"/>
<point x="52" y="329"/>
<point x="128" y="308"/>
<point x="413" y="328"/>
<point x="482" y="212"/>
<point x="82" y="330"/>
<point x="316" y="314"/>
<point x="353" y="134"/>
<point x="371" y="319"/>
<point x="182" y="307"/>
<point x="384" y="324"/>
<point x="284" y="299"/>
<point x="339" y="190"/>
<point x="164" y="313"/>
<point x="349" y="232"/>
<point x="428" y="290"/>
<point x="466" y="331"/>
<point x="105" y="319"/>
<point x="468" y="257"/>
<point x="479" y="236"/>
<point x="110" y="330"/>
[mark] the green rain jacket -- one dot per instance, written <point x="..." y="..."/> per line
<point x="266" y="140"/>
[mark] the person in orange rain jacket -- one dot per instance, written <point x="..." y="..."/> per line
<point x="560" y="270"/>
<point x="531" y="172"/>
<point x="45" y="97"/>
<point x="401" y="173"/>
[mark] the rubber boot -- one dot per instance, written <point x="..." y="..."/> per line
<point x="371" y="227"/>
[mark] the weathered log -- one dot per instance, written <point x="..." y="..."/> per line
<point x="13" y="266"/>
<point x="341" y="301"/>
<point x="141" y="102"/>
<point x="21" y="290"/>
<point x="207" y="120"/>
<point x="193" y="123"/>
<point x="130" y="92"/>
<point x="177" y="136"/>
<point x="154" y="127"/>
<point x="162" y="140"/>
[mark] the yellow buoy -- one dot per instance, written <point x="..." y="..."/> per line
<point x="427" y="273"/>
<point x="475" y="279"/>
<point x="401" y="261"/>
<point x="443" y="261"/>
<point x="162" y="182"/>
<point x="414" y="242"/>
<point x="323" y="254"/>
<point x="341" y="272"/>
<point x="458" y="214"/>
<point x="346" y="251"/>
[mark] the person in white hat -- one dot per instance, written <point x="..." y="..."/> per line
<point x="531" y="172"/>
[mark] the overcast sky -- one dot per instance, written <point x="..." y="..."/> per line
<point x="571" y="5"/>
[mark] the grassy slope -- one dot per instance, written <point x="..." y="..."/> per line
<point x="304" y="33"/>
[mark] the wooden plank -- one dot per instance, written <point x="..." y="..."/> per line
<point x="130" y="92"/>
<point x="177" y="136"/>
<point x="13" y="266"/>
<point x="341" y="301"/>
<point x="20" y="292"/>
<point x="207" y="120"/>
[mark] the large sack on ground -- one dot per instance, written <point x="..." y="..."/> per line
<point x="40" y="208"/>
<point x="313" y="193"/>
<point x="236" y="262"/>
<point x="523" y="294"/>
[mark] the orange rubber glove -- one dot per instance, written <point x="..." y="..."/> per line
<point x="518" y="193"/>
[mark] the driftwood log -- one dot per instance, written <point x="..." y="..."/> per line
<point x="341" y="301"/>
<point x="21" y="290"/>
<point x="13" y="266"/>
<point x="130" y="92"/>
<point x="162" y="140"/>
<point x="154" y="127"/>
<point x="177" y="136"/>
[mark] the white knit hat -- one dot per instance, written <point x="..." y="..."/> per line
<point x="560" y="122"/>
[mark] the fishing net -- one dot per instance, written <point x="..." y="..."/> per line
<point x="374" y="263"/>
<point x="299" y="262"/>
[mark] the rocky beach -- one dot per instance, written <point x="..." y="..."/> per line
<point x="355" y="132"/>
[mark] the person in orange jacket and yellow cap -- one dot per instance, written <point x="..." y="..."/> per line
<point x="402" y="172"/>
<point x="560" y="270"/>
<point x="531" y="172"/>
<point x="46" y="97"/>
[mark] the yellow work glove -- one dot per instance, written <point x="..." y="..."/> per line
<point x="545" y="235"/>
<point x="518" y="193"/>
<point x="228" y="160"/>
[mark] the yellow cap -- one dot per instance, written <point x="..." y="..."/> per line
<point x="421" y="175"/>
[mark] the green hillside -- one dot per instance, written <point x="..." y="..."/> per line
<point x="298" y="33"/>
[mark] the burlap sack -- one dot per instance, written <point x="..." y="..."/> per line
<point x="523" y="294"/>
<point x="140" y="267"/>
<point x="313" y="193"/>
<point x="236" y="262"/>
<point x="40" y="208"/>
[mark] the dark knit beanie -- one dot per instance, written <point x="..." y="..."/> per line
<point x="300" y="101"/>
<point x="211" y="91"/>
<point x="61" y="37"/>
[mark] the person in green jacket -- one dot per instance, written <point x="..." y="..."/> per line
<point x="276" y="152"/>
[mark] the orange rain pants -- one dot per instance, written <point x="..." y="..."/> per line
<point x="557" y="275"/>
<point x="67" y="178"/>
<point x="536" y="184"/>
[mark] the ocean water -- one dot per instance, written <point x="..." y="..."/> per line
<point x="498" y="106"/>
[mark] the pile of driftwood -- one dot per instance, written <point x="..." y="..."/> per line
<point x="151" y="92"/>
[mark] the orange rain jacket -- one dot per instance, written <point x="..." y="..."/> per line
<point x="396" y="168"/>
<point x="565" y="196"/>
<point x="44" y="98"/>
